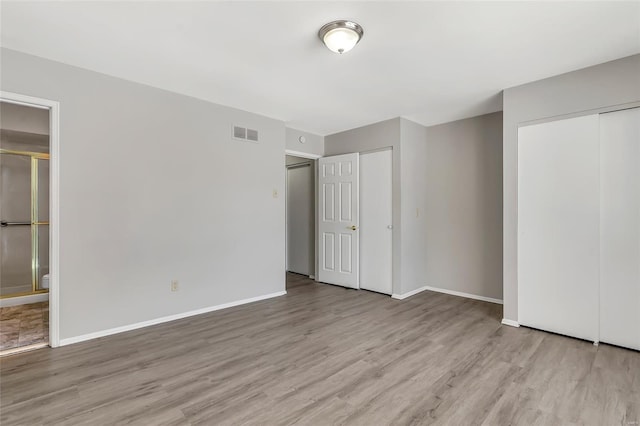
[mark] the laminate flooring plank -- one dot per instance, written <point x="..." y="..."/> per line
<point x="324" y="355"/>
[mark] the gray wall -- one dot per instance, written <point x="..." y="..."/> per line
<point x="150" y="191"/>
<point x="375" y="136"/>
<point x="314" y="144"/>
<point x="447" y="200"/>
<point x="603" y="87"/>
<point x="22" y="118"/>
<point x="21" y="141"/>
<point x="413" y="172"/>
<point x="452" y="206"/>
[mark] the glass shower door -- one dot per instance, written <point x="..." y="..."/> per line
<point x="41" y="237"/>
<point x="15" y="229"/>
<point x="24" y="230"/>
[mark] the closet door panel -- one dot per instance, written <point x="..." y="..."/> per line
<point x="620" y="228"/>
<point x="558" y="226"/>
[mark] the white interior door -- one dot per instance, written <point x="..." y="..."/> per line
<point x="620" y="228"/>
<point x="338" y="214"/>
<point x="299" y="218"/>
<point x="558" y="226"/>
<point x="376" y="221"/>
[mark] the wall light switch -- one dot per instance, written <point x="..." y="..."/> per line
<point x="275" y="193"/>
<point x="174" y="285"/>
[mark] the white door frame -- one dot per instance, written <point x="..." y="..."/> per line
<point x="54" y="204"/>
<point x="302" y="154"/>
<point x="288" y="167"/>
<point x="313" y="157"/>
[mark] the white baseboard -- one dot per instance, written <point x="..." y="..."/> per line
<point x="445" y="291"/>
<point x="510" y="323"/>
<point x="122" y="329"/>
<point x="312" y="277"/>
<point x="409" y="294"/>
<point x="23" y="300"/>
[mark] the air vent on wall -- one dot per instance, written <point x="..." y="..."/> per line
<point x="252" y="135"/>
<point x="245" y="134"/>
<point x="239" y="132"/>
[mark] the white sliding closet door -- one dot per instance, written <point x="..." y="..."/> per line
<point x="620" y="228"/>
<point x="558" y="226"/>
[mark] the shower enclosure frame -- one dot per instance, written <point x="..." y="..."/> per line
<point x="35" y="221"/>
<point x="54" y="203"/>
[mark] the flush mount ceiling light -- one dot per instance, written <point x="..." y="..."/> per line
<point x="340" y="36"/>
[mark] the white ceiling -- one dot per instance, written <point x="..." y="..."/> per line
<point x="430" y="62"/>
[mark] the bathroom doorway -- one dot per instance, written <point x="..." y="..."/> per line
<point x="24" y="226"/>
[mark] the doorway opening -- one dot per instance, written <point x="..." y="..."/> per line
<point x="24" y="226"/>
<point x="300" y="216"/>
<point x="28" y="135"/>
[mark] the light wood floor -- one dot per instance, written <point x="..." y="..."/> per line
<point x="324" y="355"/>
<point x="24" y="325"/>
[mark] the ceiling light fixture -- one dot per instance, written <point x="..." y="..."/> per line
<point x="340" y="36"/>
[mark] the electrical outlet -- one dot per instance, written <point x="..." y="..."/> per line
<point x="174" y="285"/>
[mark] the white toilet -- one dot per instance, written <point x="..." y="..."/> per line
<point x="45" y="281"/>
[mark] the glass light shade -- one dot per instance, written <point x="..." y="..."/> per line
<point x="341" y="40"/>
<point x="340" y="36"/>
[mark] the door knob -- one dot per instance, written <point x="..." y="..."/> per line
<point x="353" y="227"/>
